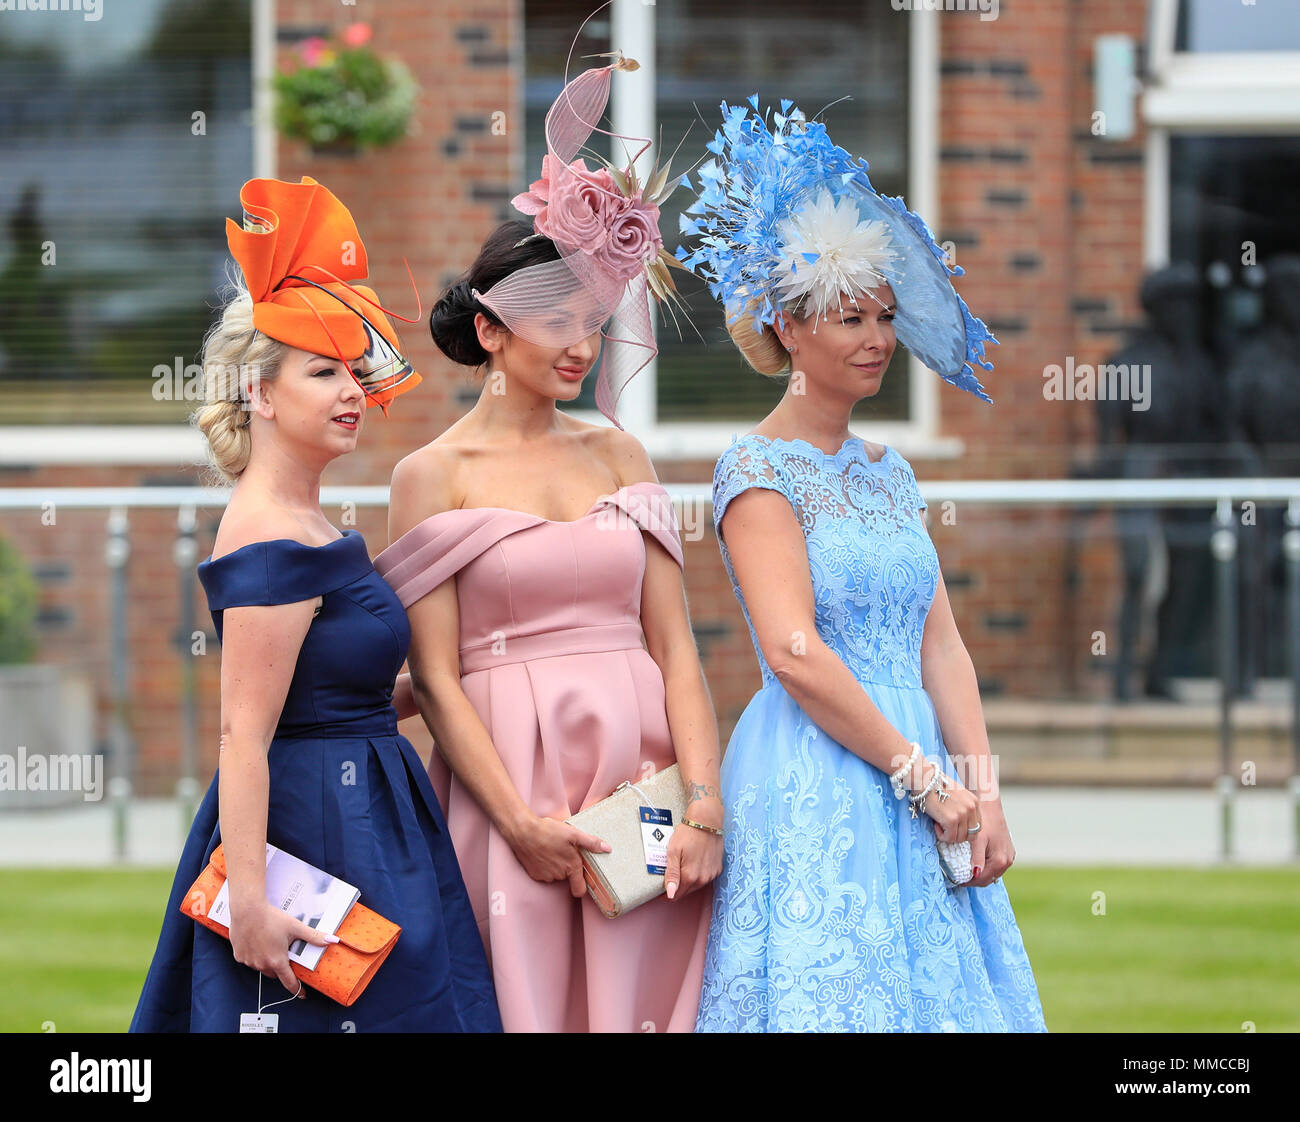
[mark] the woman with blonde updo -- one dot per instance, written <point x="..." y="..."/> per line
<point x="865" y="838"/>
<point x="233" y="345"/>
<point x="311" y="642"/>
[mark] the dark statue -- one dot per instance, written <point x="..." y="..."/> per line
<point x="1165" y="550"/>
<point x="1264" y="419"/>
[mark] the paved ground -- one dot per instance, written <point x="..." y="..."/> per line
<point x="1050" y="826"/>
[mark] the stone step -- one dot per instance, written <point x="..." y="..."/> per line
<point x="1135" y="772"/>
<point x="1101" y="743"/>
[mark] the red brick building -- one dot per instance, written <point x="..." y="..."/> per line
<point x="986" y="125"/>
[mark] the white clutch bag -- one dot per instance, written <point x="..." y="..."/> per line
<point x="954" y="860"/>
<point x="637" y="820"/>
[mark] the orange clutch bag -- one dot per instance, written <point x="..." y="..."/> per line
<point x="346" y="967"/>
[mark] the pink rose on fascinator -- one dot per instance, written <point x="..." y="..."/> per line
<point x="534" y="200"/>
<point x="634" y="239"/>
<point x="578" y="210"/>
<point x="585" y="211"/>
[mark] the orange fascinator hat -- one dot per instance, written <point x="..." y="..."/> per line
<point x="299" y="249"/>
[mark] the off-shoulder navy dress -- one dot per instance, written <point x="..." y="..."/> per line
<point x="347" y="794"/>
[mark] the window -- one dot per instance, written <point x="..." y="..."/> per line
<point x="125" y="142"/>
<point x="1212" y="26"/>
<point x="707" y="51"/>
<point x="1232" y="203"/>
<point x="1223" y="84"/>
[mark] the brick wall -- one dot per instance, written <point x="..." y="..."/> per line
<point x="1045" y="218"/>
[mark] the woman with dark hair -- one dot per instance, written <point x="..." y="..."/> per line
<point x="551" y="650"/>
<point x="510" y="247"/>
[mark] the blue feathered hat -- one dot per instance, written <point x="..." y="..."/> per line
<point x="786" y="218"/>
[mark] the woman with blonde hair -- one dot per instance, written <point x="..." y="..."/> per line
<point x="311" y="640"/>
<point x="840" y="906"/>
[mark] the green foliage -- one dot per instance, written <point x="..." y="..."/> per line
<point x="18" y="598"/>
<point x="354" y="97"/>
<point x="193" y="29"/>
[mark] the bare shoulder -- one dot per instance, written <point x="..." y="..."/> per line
<point x="245" y="524"/>
<point x="625" y="456"/>
<point x="424" y="482"/>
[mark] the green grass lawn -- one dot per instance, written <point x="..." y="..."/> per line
<point x="1176" y="950"/>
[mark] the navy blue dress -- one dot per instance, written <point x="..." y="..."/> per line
<point x="347" y="794"/>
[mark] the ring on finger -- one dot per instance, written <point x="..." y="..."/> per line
<point x="971" y="831"/>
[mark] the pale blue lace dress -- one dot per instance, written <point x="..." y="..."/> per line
<point x="831" y="913"/>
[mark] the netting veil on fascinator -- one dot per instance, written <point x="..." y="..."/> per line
<point x="605" y="223"/>
<point x="787" y="219"/>
<point x="299" y="249"/>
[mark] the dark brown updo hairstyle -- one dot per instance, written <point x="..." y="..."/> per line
<point x="511" y="246"/>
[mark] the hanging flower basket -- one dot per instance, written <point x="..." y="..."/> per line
<point x="18" y="602"/>
<point x="343" y="99"/>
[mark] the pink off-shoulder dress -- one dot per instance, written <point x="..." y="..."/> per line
<point x="552" y="658"/>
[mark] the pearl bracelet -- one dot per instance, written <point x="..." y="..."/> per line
<point x="896" y="780"/>
<point x="937" y="780"/>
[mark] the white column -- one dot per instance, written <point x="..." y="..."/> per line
<point x="263" y="52"/>
<point x="1155" y="199"/>
<point x="923" y="187"/>
<point x="632" y="112"/>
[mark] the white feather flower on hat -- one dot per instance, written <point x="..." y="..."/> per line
<point x="828" y="252"/>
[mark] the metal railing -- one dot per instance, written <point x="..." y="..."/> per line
<point x="1222" y="493"/>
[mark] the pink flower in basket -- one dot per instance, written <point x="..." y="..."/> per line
<point x="311" y="50"/>
<point x="586" y="211"/>
<point x="356" y="34"/>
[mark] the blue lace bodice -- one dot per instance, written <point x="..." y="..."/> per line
<point x="831" y="913"/>
<point x="874" y="569"/>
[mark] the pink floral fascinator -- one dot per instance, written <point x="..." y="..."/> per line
<point x="605" y="223"/>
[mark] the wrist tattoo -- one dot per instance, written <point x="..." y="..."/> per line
<point x="696" y="791"/>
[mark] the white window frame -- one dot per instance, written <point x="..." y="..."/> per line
<point x="1242" y="93"/>
<point x="1230" y="91"/>
<point x="633" y="114"/>
<point x="633" y="27"/>
<point x="172" y="444"/>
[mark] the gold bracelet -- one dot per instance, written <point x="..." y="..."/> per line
<point x="701" y="826"/>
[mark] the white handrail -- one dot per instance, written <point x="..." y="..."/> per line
<point x="993" y="492"/>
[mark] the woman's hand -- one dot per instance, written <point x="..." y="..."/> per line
<point x="694" y="860"/>
<point x="991" y="851"/>
<point x="262" y="935"/>
<point x="954" y="816"/>
<point x="547" y="848"/>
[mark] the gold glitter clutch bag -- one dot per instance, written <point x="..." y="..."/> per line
<point x="624" y="878"/>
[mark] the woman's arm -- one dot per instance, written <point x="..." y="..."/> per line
<point x="259" y="651"/>
<point x="671" y="643"/>
<point x="948" y="675"/>
<point x="544" y="846"/>
<point x="770" y="559"/>
<point x="404" y="698"/>
<point x="694" y="856"/>
<point x="949" y="678"/>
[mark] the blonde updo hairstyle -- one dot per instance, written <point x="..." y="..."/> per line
<point x="763" y="350"/>
<point x="232" y="347"/>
